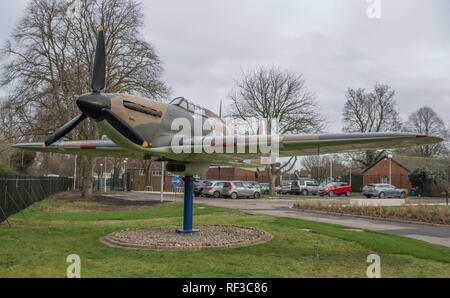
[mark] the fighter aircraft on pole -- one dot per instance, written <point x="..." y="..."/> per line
<point x="143" y="128"/>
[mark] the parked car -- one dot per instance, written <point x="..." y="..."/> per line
<point x="278" y="189"/>
<point x="305" y="187"/>
<point x="198" y="187"/>
<point x="213" y="188"/>
<point x="240" y="189"/>
<point x="285" y="189"/>
<point x="336" y="188"/>
<point x="255" y="184"/>
<point x="265" y="187"/>
<point x="383" y="191"/>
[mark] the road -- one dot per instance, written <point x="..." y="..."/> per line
<point x="282" y="208"/>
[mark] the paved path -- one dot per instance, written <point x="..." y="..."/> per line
<point x="281" y="208"/>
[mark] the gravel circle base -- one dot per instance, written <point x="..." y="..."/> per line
<point x="166" y="238"/>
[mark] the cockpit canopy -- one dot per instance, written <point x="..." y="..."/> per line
<point x="191" y="107"/>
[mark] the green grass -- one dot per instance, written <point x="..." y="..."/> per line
<point x="38" y="245"/>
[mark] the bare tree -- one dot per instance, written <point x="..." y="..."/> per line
<point x="274" y="94"/>
<point x="370" y="112"/>
<point x="317" y="167"/>
<point x="426" y="121"/>
<point x="48" y="63"/>
<point x="325" y="167"/>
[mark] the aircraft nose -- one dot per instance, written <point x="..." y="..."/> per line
<point x="92" y="104"/>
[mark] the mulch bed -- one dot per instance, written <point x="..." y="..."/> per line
<point x="166" y="238"/>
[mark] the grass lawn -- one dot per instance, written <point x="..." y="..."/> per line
<point x="38" y="244"/>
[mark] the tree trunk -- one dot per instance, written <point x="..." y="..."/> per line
<point x="273" y="178"/>
<point x="87" y="182"/>
<point x="148" y="173"/>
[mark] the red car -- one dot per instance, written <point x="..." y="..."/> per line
<point x="336" y="188"/>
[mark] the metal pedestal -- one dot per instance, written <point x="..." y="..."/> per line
<point x="188" y="206"/>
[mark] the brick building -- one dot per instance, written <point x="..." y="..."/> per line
<point x="136" y="177"/>
<point x="401" y="167"/>
<point x="231" y="174"/>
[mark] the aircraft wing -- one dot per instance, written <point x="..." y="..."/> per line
<point x="96" y="147"/>
<point x="291" y="145"/>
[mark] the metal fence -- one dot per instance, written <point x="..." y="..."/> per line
<point x="19" y="192"/>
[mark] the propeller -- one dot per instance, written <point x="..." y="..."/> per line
<point x="67" y="128"/>
<point x="97" y="105"/>
<point x="99" y="72"/>
<point x="123" y="127"/>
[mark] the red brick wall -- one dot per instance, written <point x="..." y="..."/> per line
<point x="399" y="175"/>
<point x="213" y="174"/>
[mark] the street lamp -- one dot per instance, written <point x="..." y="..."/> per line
<point x="350" y="160"/>
<point x="390" y="172"/>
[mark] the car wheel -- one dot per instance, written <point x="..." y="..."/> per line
<point x="348" y="193"/>
<point x="368" y="197"/>
<point x="331" y="194"/>
<point x="305" y="192"/>
<point x="382" y="195"/>
<point x="257" y="195"/>
<point x="234" y="196"/>
<point x="403" y="195"/>
<point x="216" y="195"/>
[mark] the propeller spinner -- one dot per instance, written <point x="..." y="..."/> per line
<point x="96" y="105"/>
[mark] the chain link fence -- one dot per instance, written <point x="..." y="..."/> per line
<point x="20" y="192"/>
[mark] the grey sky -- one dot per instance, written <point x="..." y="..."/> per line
<point x="206" y="44"/>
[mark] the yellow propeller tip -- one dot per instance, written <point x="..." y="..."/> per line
<point x="145" y="145"/>
<point x="101" y="28"/>
<point x="44" y="146"/>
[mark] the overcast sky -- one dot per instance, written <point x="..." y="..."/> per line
<point x="206" y="44"/>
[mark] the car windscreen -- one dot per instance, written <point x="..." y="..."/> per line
<point x="208" y="183"/>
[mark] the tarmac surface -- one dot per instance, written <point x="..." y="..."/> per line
<point x="282" y="208"/>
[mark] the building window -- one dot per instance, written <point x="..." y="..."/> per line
<point x="156" y="173"/>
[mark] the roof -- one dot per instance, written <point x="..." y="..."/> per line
<point x="411" y="163"/>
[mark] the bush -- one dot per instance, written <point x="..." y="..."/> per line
<point x="4" y="169"/>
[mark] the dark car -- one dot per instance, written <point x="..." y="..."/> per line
<point x="336" y="189"/>
<point x="383" y="191"/>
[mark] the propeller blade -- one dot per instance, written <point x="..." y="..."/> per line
<point x="124" y="128"/>
<point x="67" y="128"/>
<point x="99" y="72"/>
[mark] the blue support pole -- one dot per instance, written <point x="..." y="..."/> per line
<point x="188" y="206"/>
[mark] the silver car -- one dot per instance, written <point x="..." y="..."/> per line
<point x="305" y="187"/>
<point x="241" y="189"/>
<point x="213" y="188"/>
<point x="383" y="191"/>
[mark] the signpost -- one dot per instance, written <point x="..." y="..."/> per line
<point x="176" y="181"/>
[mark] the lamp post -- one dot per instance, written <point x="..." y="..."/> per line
<point x="331" y="170"/>
<point x="100" y="179"/>
<point x="125" y="180"/>
<point x="351" y="161"/>
<point x="390" y="172"/>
